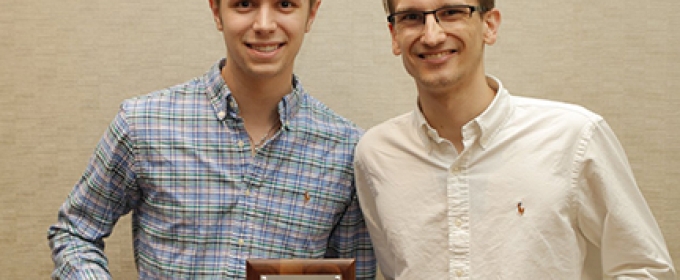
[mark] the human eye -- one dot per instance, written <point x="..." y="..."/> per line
<point x="243" y="4"/>
<point x="452" y="13"/>
<point x="286" y="4"/>
<point x="410" y="18"/>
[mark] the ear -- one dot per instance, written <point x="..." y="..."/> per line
<point x="492" y="22"/>
<point x="216" y="14"/>
<point x="312" y="15"/>
<point x="396" y="50"/>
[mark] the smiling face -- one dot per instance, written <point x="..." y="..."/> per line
<point x="262" y="37"/>
<point x="444" y="55"/>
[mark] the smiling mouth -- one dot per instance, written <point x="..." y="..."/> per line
<point x="436" y="55"/>
<point x="265" y="48"/>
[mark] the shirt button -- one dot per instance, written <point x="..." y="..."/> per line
<point x="240" y="242"/>
<point x="221" y="115"/>
<point x="248" y="192"/>
<point x="459" y="272"/>
<point x="232" y="104"/>
<point x="240" y="144"/>
<point x="455" y="169"/>
<point x="459" y="222"/>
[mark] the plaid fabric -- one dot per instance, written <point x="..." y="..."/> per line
<point x="180" y="161"/>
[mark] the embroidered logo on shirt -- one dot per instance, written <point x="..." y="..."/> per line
<point x="520" y="209"/>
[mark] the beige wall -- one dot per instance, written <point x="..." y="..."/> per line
<point x="66" y="65"/>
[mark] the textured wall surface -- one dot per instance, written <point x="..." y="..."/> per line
<point x="65" y="66"/>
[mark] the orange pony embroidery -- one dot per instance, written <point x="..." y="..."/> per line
<point x="520" y="209"/>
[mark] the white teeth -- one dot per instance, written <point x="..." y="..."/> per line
<point x="436" y="55"/>
<point x="270" y="48"/>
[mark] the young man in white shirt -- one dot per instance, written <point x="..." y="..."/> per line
<point x="475" y="183"/>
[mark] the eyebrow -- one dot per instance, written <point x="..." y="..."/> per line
<point x="413" y="9"/>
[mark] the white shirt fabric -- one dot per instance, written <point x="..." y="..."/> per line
<point x="542" y="190"/>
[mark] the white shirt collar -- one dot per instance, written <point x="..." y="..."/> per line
<point x="484" y="127"/>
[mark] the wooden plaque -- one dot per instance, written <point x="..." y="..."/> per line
<point x="256" y="268"/>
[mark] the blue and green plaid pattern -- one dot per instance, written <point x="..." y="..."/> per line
<point x="180" y="160"/>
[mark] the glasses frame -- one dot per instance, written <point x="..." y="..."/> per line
<point x="473" y="9"/>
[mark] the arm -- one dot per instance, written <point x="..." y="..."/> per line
<point x="103" y="194"/>
<point x="367" y="199"/>
<point x="614" y="215"/>
<point x="350" y="239"/>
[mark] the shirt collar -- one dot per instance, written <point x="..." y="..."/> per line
<point x="492" y="119"/>
<point x="225" y="105"/>
<point x="484" y="127"/>
<point x="426" y="133"/>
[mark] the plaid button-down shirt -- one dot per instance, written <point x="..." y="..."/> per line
<point x="180" y="160"/>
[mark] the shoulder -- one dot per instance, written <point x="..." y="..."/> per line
<point x="387" y="133"/>
<point x="399" y="124"/>
<point x="187" y="94"/>
<point x="546" y="120"/>
<point x="561" y="112"/>
<point x="314" y="115"/>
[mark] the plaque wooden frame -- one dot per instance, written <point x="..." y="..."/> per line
<point x="255" y="268"/>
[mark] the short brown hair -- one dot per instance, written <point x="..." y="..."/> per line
<point x="485" y="5"/>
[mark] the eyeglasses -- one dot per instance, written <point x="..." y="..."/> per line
<point x="443" y="15"/>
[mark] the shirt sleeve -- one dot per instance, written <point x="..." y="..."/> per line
<point x="104" y="193"/>
<point x="613" y="213"/>
<point x="350" y="239"/>
<point x="365" y="193"/>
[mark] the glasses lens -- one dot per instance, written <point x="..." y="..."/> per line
<point x="453" y="14"/>
<point x="446" y="16"/>
<point x="409" y="19"/>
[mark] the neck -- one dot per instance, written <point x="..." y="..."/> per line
<point x="448" y="110"/>
<point x="258" y="97"/>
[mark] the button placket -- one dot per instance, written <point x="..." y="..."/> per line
<point x="458" y="212"/>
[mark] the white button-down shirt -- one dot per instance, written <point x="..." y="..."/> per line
<point x="542" y="190"/>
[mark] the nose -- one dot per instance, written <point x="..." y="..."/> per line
<point x="265" y="20"/>
<point x="433" y="34"/>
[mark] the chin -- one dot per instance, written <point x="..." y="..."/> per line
<point x="265" y="71"/>
<point x="435" y="78"/>
<point x="438" y="81"/>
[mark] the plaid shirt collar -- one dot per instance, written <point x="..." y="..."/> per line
<point x="225" y="105"/>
